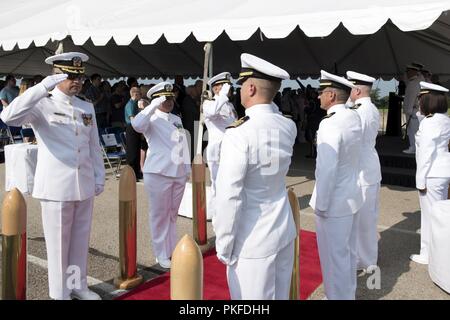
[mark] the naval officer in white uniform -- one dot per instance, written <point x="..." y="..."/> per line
<point x="69" y="171"/>
<point x="166" y="169"/>
<point x="410" y="105"/>
<point x="370" y="171"/>
<point x="432" y="158"/>
<point x="337" y="196"/>
<point x="219" y="113"/>
<point x="255" y="229"/>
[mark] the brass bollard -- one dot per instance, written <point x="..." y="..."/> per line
<point x="14" y="246"/>
<point x="127" y="231"/>
<point x="186" y="273"/>
<point x="199" y="200"/>
<point x="294" y="293"/>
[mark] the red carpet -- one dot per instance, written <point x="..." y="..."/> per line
<point x="215" y="282"/>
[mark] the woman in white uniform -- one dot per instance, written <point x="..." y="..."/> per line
<point x="166" y="169"/>
<point x="219" y="114"/>
<point x="432" y="157"/>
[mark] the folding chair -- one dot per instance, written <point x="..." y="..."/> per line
<point x="4" y="136"/>
<point x="14" y="134"/>
<point x="117" y="131"/>
<point x="112" y="152"/>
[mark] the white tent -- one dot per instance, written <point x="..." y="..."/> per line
<point x="150" y="38"/>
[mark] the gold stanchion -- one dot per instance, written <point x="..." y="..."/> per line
<point x="294" y="293"/>
<point x="199" y="200"/>
<point x="14" y="246"/>
<point x="186" y="273"/>
<point x="127" y="231"/>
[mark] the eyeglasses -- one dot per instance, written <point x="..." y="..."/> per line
<point x="74" y="77"/>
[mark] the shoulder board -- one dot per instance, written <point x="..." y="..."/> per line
<point x="238" y="122"/>
<point x="287" y="116"/>
<point x="328" y="115"/>
<point x="430" y="115"/>
<point x="49" y="95"/>
<point x="356" y="106"/>
<point x="81" y="98"/>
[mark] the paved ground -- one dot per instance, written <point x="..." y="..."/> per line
<point x="399" y="220"/>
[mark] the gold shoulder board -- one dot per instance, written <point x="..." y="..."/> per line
<point x="238" y="122"/>
<point x="356" y="106"/>
<point x="430" y="115"/>
<point x="328" y="115"/>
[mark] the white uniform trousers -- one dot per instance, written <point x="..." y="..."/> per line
<point x="336" y="240"/>
<point x="165" y="194"/>
<point x="262" y="279"/>
<point x="437" y="189"/>
<point x="366" y="227"/>
<point x="411" y="131"/>
<point x="67" y="226"/>
<point x="213" y="168"/>
<point x="439" y="255"/>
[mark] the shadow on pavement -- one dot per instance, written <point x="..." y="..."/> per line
<point x="394" y="249"/>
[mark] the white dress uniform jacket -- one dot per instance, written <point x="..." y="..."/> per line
<point x="411" y="92"/>
<point x="70" y="161"/>
<point x="370" y="173"/>
<point x="219" y="114"/>
<point x="369" y="180"/>
<point x="337" y="192"/>
<point x="432" y="156"/>
<point x="168" y="152"/>
<point x="256" y="221"/>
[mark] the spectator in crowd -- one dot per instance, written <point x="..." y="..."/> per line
<point x="105" y="103"/>
<point x="314" y="115"/>
<point x="25" y="84"/>
<point x="176" y="107"/>
<point x="133" y="145"/>
<point x="190" y="111"/>
<point x="9" y="92"/>
<point x="95" y="95"/>
<point x="38" y="78"/>
<point x="179" y="83"/>
<point x="117" y="113"/>
<point x="86" y="85"/>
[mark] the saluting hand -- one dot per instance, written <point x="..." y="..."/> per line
<point x="224" y="90"/>
<point x="50" y="82"/>
<point x="158" y="101"/>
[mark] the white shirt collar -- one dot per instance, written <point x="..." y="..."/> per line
<point x="59" y="95"/>
<point x="362" y="100"/>
<point x="259" y="108"/>
<point x="336" y="107"/>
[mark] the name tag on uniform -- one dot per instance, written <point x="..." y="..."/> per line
<point x="58" y="118"/>
<point x="87" y="119"/>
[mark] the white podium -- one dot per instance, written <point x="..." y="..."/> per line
<point x="20" y="166"/>
<point x="186" y="203"/>
<point x="439" y="252"/>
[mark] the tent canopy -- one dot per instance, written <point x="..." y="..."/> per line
<point x="149" y="39"/>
